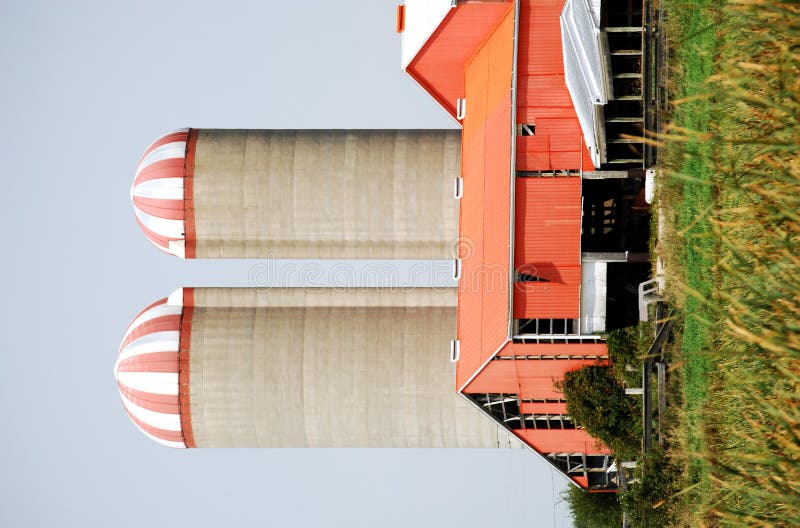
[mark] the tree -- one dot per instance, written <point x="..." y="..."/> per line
<point x="593" y="510"/>
<point x="598" y="403"/>
<point x="650" y="502"/>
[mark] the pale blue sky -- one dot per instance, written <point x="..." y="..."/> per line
<point x="84" y="87"/>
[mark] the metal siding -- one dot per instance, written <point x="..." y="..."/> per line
<point x="496" y="377"/>
<point x="532" y="144"/>
<point x="549" y="300"/>
<point x="529" y="115"/>
<point x="564" y="143"/>
<point x="565" y="125"/>
<point x="533" y="151"/>
<point x="581" y="481"/>
<point x="533" y="379"/>
<point x="555" y="349"/>
<point x="539" y="387"/>
<point x="530" y="379"/>
<point x="548" y="368"/>
<point x="540" y="40"/>
<point x="548" y="222"/>
<point x="544" y="90"/>
<point x="543" y="408"/>
<point x="542" y="95"/>
<point x="540" y="159"/>
<point x="561" y="440"/>
<point x="565" y="159"/>
<point x="537" y="377"/>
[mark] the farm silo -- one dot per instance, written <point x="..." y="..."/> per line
<point x="235" y="367"/>
<point x="300" y="193"/>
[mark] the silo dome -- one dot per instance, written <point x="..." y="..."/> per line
<point x="149" y="371"/>
<point x="158" y="192"/>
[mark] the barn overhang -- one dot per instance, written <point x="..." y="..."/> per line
<point x="587" y="71"/>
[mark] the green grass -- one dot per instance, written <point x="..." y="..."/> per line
<point x="732" y="197"/>
<point x="729" y="195"/>
<point x="691" y="189"/>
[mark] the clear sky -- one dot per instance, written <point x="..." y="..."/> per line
<point x="84" y="88"/>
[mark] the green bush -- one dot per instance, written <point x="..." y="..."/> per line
<point x="598" y="403"/>
<point x="628" y="346"/>
<point x="648" y="502"/>
<point x="622" y="344"/>
<point x="593" y="510"/>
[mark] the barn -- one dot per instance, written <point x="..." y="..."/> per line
<point x="539" y="200"/>
<point x="552" y="216"/>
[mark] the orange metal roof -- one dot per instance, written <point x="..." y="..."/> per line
<point x="470" y="55"/>
<point x="483" y="291"/>
<point x="529" y="378"/>
<point x="549" y="300"/>
<point x="542" y="96"/>
<point x="561" y="441"/>
<point x="554" y="349"/>
<point x="581" y="481"/>
<point x="543" y="408"/>
<point x="439" y="66"/>
<point x="548" y="246"/>
<point x="533" y="379"/>
<point x="548" y="222"/>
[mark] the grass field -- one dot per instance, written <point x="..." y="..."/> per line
<point x="730" y="191"/>
<point x="687" y="199"/>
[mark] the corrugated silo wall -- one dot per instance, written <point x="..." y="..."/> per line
<point x="326" y="193"/>
<point x="329" y="368"/>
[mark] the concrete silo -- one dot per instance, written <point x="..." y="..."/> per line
<point x="235" y="367"/>
<point x="300" y="193"/>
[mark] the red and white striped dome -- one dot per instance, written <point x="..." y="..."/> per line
<point x="158" y="192"/>
<point x="149" y="371"/>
